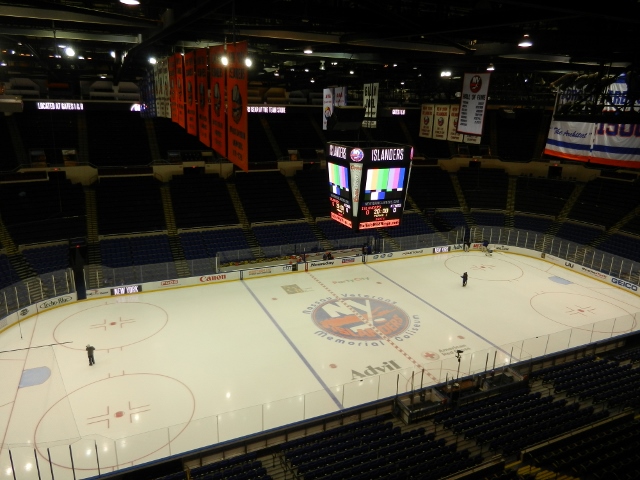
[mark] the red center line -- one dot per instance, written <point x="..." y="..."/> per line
<point x="373" y="327"/>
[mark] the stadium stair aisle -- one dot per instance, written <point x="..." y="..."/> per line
<point x="94" y="267"/>
<point x="307" y="215"/>
<point x="177" y="252"/>
<point x="244" y="221"/>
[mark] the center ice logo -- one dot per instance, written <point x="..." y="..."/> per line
<point x="360" y="318"/>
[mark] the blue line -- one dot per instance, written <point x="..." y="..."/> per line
<point x="439" y="311"/>
<point x="298" y="352"/>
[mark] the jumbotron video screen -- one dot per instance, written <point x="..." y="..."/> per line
<point x="368" y="183"/>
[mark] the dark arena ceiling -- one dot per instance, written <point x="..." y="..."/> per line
<point x="402" y="44"/>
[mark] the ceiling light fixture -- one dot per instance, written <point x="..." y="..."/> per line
<point x="525" y="42"/>
<point x="152" y="60"/>
<point x="491" y="68"/>
<point x="130" y="2"/>
<point x="69" y="52"/>
<point x="248" y="62"/>
<point x="445" y="73"/>
<point x="308" y="51"/>
<point x="224" y="60"/>
<point x="351" y="72"/>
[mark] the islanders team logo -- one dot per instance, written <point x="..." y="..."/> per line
<point x="440" y="121"/>
<point x="475" y="84"/>
<point x="359" y="319"/>
<point x="356" y="155"/>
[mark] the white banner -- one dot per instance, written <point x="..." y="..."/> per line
<point x="340" y="96"/>
<point x="474" y="139"/>
<point x="426" y="121"/>
<point x="473" y="102"/>
<point x="452" y="134"/>
<point x="609" y="144"/>
<point x="327" y="106"/>
<point x="441" y="122"/>
<point x="370" y="104"/>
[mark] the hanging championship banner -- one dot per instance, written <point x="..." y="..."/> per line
<point x="163" y="78"/>
<point x="452" y="134"/>
<point x="179" y="60"/>
<point x="441" y="122"/>
<point x="370" y="103"/>
<point x="191" y="92"/>
<point x="147" y="95"/>
<point x="427" y="114"/>
<point x="173" y="91"/>
<point x="202" y="82"/>
<point x="327" y="106"/>
<point x="473" y="102"/>
<point x="237" y="125"/>
<point x="340" y="96"/>
<point x="218" y="112"/>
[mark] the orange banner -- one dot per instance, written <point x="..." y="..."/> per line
<point x="173" y="89"/>
<point x="237" y="125"/>
<point x="191" y="92"/>
<point x="202" y="73"/>
<point x="179" y="61"/>
<point x="218" y="110"/>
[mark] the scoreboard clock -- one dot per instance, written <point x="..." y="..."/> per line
<point x="368" y="183"/>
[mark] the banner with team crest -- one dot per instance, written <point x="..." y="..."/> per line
<point x="473" y="102"/>
<point x="370" y="104"/>
<point x="191" y="92"/>
<point x="452" y="134"/>
<point x="217" y="114"/>
<point x="327" y="106"/>
<point x="237" y="123"/>
<point x="202" y="82"/>
<point x="441" y="122"/>
<point x="427" y="114"/>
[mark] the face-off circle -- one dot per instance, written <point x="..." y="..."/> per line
<point x="578" y="311"/>
<point x="484" y="268"/>
<point x="124" y="413"/>
<point x="114" y="325"/>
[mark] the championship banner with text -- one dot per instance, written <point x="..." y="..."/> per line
<point x="237" y="124"/>
<point x="217" y="113"/>
<point x="173" y="91"/>
<point x="452" y="134"/>
<point x="370" y="104"/>
<point x="202" y="81"/>
<point x="164" y="88"/>
<point x="441" y="122"/>
<point x="192" y="92"/>
<point x="427" y="113"/>
<point x="604" y="143"/>
<point x="327" y="106"/>
<point x="158" y="87"/>
<point x="473" y="102"/>
<point x="179" y="60"/>
<point x="340" y="96"/>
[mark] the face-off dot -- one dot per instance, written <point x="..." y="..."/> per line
<point x="333" y="365"/>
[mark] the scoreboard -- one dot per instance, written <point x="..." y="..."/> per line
<point x="368" y="183"/>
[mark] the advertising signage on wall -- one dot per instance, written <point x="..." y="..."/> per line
<point x="368" y="183"/>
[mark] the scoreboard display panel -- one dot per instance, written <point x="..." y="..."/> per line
<point x="383" y="197"/>
<point x="340" y="196"/>
<point x="368" y="183"/>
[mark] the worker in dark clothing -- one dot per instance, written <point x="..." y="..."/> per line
<point x="90" y="350"/>
<point x="464" y="279"/>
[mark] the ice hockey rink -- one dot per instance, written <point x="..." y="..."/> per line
<point x="180" y="369"/>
